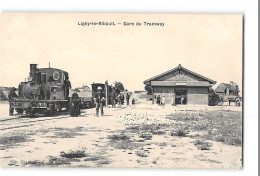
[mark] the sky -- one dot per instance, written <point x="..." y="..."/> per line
<point x="208" y="44"/>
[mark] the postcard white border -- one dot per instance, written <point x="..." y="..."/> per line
<point x="250" y="11"/>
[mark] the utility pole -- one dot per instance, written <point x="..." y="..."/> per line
<point x="106" y="86"/>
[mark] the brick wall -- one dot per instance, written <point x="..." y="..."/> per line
<point x="197" y="95"/>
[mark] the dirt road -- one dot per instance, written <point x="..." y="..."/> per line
<point x="141" y="136"/>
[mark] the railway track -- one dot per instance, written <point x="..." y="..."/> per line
<point x="19" y="122"/>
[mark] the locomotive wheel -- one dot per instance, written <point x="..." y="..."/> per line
<point x="19" y="110"/>
<point x="33" y="115"/>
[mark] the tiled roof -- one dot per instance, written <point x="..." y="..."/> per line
<point x="183" y="69"/>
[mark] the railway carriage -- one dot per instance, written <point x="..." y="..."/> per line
<point x="107" y="90"/>
<point x="87" y="95"/>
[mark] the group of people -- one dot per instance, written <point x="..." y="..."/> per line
<point x="115" y="99"/>
<point x="160" y="100"/>
<point x="120" y="99"/>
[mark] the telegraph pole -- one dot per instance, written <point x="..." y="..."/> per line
<point x="106" y="86"/>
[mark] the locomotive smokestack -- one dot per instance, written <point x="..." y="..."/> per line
<point x="33" y="68"/>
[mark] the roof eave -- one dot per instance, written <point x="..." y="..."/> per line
<point x="148" y="81"/>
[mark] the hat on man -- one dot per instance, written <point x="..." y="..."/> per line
<point x="99" y="88"/>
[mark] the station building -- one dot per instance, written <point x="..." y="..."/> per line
<point x="181" y="86"/>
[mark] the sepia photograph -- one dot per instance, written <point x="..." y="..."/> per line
<point x="121" y="90"/>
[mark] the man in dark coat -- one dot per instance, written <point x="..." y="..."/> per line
<point x="113" y="98"/>
<point x="133" y="101"/>
<point x="122" y="99"/>
<point x="99" y="99"/>
<point x="158" y="101"/>
<point x="127" y="98"/>
<point x="74" y="105"/>
<point x="67" y="86"/>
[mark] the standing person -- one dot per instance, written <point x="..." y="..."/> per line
<point x="122" y="99"/>
<point x="163" y="100"/>
<point x="182" y="99"/>
<point x="74" y="105"/>
<point x="133" y="101"/>
<point x="158" y="99"/>
<point x="99" y="98"/>
<point x="11" y="96"/>
<point x="173" y="99"/>
<point x="127" y="98"/>
<point x="67" y="86"/>
<point x="119" y="100"/>
<point x="113" y="98"/>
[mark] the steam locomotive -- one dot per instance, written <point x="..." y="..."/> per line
<point x="45" y="92"/>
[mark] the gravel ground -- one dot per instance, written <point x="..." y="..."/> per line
<point x="141" y="136"/>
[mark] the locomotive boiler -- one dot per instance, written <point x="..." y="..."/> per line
<point x="45" y="92"/>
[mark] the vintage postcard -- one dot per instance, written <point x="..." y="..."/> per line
<point x="121" y="90"/>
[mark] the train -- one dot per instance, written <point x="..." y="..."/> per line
<point x="48" y="90"/>
<point x="45" y="92"/>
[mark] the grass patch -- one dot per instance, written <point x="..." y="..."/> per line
<point x="55" y="161"/>
<point x="141" y="154"/>
<point x="13" y="140"/>
<point x="66" y="132"/>
<point x="146" y="136"/>
<point x="74" y="153"/>
<point x="161" y="144"/>
<point x="202" y="145"/>
<point x="64" y="158"/>
<point x="220" y="125"/>
<point x="149" y="128"/>
<point x="93" y="158"/>
<point x="65" y="135"/>
<point x="102" y="162"/>
<point x="179" y="132"/>
<point x="125" y="144"/>
<point x="117" y="137"/>
<point x="122" y="141"/>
